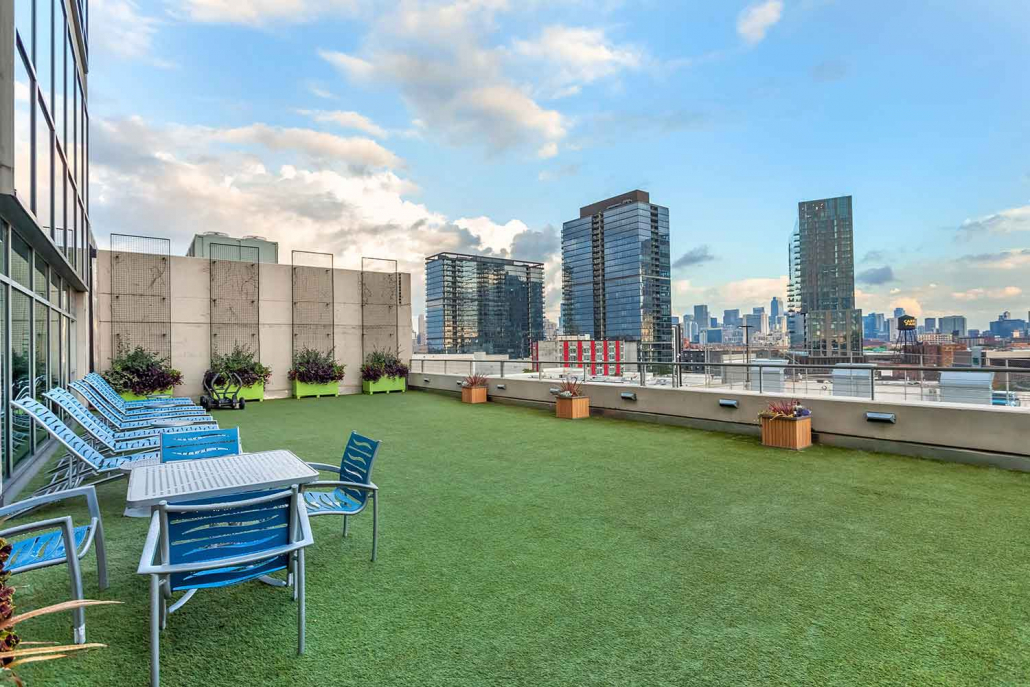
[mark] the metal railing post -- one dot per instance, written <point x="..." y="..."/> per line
<point x="445" y="365"/>
<point x="872" y="384"/>
<point x="761" y="384"/>
<point x="643" y="373"/>
<point x="502" y="369"/>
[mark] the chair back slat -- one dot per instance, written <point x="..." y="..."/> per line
<point x="104" y="388"/>
<point x="60" y="431"/>
<point x="356" y="465"/>
<point x="120" y="415"/>
<point x="208" y="443"/>
<point x="81" y="414"/>
<point x="206" y="536"/>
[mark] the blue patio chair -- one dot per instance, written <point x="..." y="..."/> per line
<point x="191" y="547"/>
<point x="108" y="440"/>
<point x="121" y="420"/>
<point x="350" y="494"/>
<point x="208" y="443"/>
<point x="84" y="462"/>
<point x="104" y="387"/>
<point x="53" y="539"/>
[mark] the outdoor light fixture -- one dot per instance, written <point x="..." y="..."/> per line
<point x="425" y="380"/>
<point x="554" y="390"/>
<point x="628" y="396"/>
<point x="459" y="382"/>
<point x="502" y="387"/>
<point x="729" y="403"/>
<point x="882" y="417"/>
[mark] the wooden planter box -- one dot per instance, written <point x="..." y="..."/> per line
<point x="129" y="396"/>
<point x="572" y="408"/>
<point x="304" y="390"/>
<point x="254" y="392"/>
<point x="783" y="432"/>
<point x="384" y="385"/>
<point x="473" y="394"/>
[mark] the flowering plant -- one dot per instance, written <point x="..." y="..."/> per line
<point x="379" y="364"/>
<point x="786" y="409"/>
<point x="315" y="367"/>
<point x="240" y="362"/>
<point x="474" y="381"/>
<point x="141" y="372"/>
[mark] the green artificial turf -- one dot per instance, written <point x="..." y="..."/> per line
<point x="518" y="549"/>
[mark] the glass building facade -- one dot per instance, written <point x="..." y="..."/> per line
<point x="45" y="238"/>
<point x="616" y="274"/>
<point x="821" y="295"/>
<point x="482" y="304"/>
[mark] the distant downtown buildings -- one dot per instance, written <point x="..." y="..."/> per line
<point x="476" y="303"/>
<point x="821" y="295"/>
<point x="616" y="274"/>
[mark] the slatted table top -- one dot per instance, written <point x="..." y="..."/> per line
<point x="185" y="480"/>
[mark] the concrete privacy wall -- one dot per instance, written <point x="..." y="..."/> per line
<point x="191" y="326"/>
<point x="973" y="434"/>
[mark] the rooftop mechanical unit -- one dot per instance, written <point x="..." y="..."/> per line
<point x="967" y="387"/>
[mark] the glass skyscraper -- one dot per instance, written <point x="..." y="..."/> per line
<point x="822" y="280"/>
<point x="477" y="304"/>
<point x="616" y="274"/>
<point x="46" y="247"/>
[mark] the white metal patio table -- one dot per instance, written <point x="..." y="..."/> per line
<point x="187" y="480"/>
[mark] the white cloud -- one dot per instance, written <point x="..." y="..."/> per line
<point x="316" y="144"/>
<point x="1016" y="258"/>
<point x="121" y="29"/>
<point x="434" y="54"/>
<point x="576" y="56"/>
<point x="1003" y="293"/>
<point x="1004" y="222"/>
<point x="260" y="12"/>
<point x="756" y="20"/>
<point x="492" y="236"/>
<point x="347" y="120"/>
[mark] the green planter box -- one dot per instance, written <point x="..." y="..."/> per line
<point x="303" y="390"/>
<point x="129" y="396"/>
<point x="254" y="392"/>
<point x="385" y="384"/>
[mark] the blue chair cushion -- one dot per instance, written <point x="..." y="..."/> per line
<point x="336" y="501"/>
<point x="45" y="547"/>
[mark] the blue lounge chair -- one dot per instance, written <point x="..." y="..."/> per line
<point x="208" y="443"/>
<point x="108" y="440"/>
<point x="121" y="420"/>
<point x="350" y="494"/>
<point x="84" y="462"/>
<point x="191" y="547"/>
<point x="104" y="387"/>
<point x="55" y="537"/>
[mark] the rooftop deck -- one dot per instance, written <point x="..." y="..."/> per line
<point x="516" y="548"/>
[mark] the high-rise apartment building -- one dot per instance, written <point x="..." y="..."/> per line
<point x="953" y="324"/>
<point x="822" y="280"/>
<point x="702" y="316"/>
<point x="776" y="308"/>
<point x="45" y="307"/>
<point x="930" y="325"/>
<point x="731" y="318"/>
<point x="482" y="304"/>
<point x="615" y="274"/>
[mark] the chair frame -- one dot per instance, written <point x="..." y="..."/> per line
<point x="120" y="417"/>
<point x="370" y="487"/>
<point x="157" y="549"/>
<point x="64" y="524"/>
<point x="114" y="419"/>
<point x="105" y="389"/>
<point x="74" y="474"/>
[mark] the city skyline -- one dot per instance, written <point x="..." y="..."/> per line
<point x="317" y="133"/>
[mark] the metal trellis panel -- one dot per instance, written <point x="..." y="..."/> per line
<point x="380" y="305"/>
<point x="141" y="304"/>
<point x="313" y="316"/>
<point x="235" y="294"/>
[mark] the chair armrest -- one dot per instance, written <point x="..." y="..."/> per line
<point x="149" y="554"/>
<point x="336" y="483"/>
<point x="62" y="523"/>
<point x="89" y="492"/>
<point x="325" y="467"/>
<point x="151" y="569"/>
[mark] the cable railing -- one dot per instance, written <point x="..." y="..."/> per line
<point x="990" y="386"/>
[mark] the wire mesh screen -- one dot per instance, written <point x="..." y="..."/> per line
<point x="141" y="305"/>
<point x="380" y="303"/>
<point x="235" y="292"/>
<point x="312" y="301"/>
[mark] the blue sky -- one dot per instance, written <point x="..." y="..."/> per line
<point x="399" y="129"/>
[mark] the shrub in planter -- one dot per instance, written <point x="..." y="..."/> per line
<point x="383" y="371"/>
<point x="315" y="373"/>
<point x="571" y="403"/>
<point x="138" y="373"/>
<point x="473" y="389"/>
<point x="253" y="375"/>
<point x="786" y="424"/>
